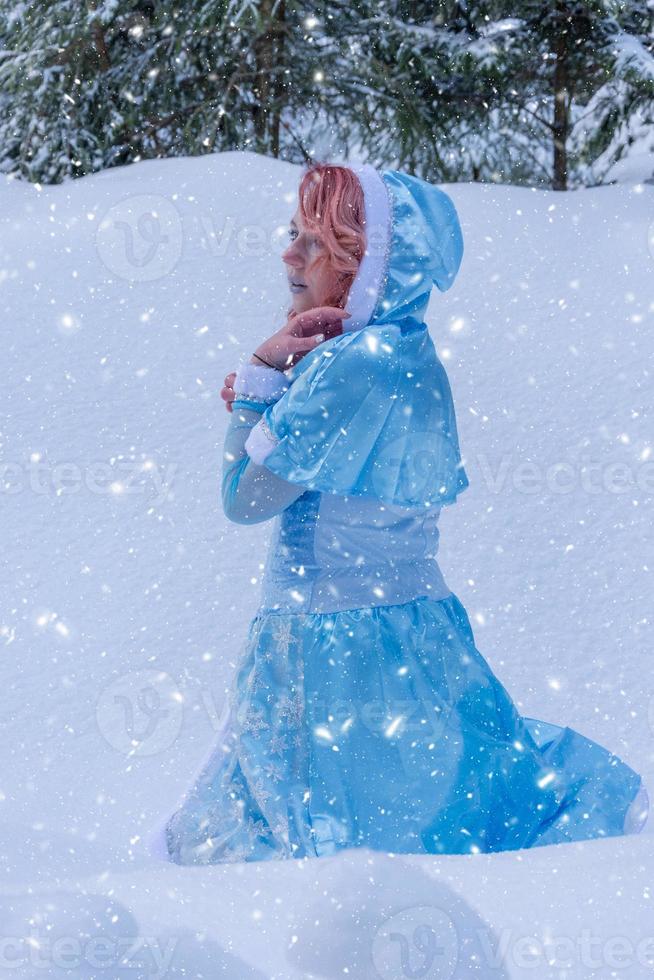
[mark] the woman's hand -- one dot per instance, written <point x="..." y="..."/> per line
<point x="300" y="334"/>
<point x="227" y="393"/>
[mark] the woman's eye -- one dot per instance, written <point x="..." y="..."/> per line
<point x="292" y="234"/>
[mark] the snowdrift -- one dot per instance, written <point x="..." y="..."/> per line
<point x="126" y="298"/>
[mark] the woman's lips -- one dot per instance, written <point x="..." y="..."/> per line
<point x="296" y="289"/>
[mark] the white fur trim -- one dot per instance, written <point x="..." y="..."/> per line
<point x="265" y="383"/>
<point x="364" y="291"/>
<point x="260" y="442"/>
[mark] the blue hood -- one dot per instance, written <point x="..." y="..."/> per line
<point x="414" y="241"/>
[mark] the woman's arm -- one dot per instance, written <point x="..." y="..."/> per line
<point x="252" y="493"/>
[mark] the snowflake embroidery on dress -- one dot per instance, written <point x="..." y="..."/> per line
<point x="272" y="770"/>
<point x="237" y="853"/>
<point x="298" y="705"/>
<point x="257" y="828"/>
<point x="283" y="635"/>
<point x="257" y="680"/>
<point x="259" y="791"/>
<point x="277" y="743"/>
<point x="234" y="808"/>
<point x="282" y="705"/>
<point x="255" y="721"/>
<point x="292" y="708"/>
<point x="280" y="829"/>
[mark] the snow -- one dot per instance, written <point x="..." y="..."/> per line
<point x="127" y="297"/>
<point x="631" y="53"/>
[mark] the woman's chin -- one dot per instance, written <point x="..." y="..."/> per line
<point x="300" y="303"/>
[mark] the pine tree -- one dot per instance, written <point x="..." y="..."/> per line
<point x="550" y="95"/>
<point x="620" y="112"/>
<point x="95" y="84"/>
<point x="481" y="90"/>
<point x="555" y="58"/>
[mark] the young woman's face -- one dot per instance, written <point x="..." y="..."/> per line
<point x="308" y="287"/>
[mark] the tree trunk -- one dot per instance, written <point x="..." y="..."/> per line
<point x="561" y="126"/>
<point x="264" y="61"/>
<point x="99" y="42"/>
<point x="280" y="83"/>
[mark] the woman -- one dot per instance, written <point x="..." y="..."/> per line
<point x="361" y="712"/>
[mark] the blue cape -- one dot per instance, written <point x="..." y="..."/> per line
<point x="370" y="412"/>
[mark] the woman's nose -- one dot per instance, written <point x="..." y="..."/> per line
<point x="292" y="257"/>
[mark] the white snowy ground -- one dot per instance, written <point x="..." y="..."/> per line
<point x="126" y="593"/>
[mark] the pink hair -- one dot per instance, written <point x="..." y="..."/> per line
<point x="331" y="204"/>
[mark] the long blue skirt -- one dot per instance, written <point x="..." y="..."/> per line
<point x="385" y="727"/>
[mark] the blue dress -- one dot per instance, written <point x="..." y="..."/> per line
<point x="361" y="712"/>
